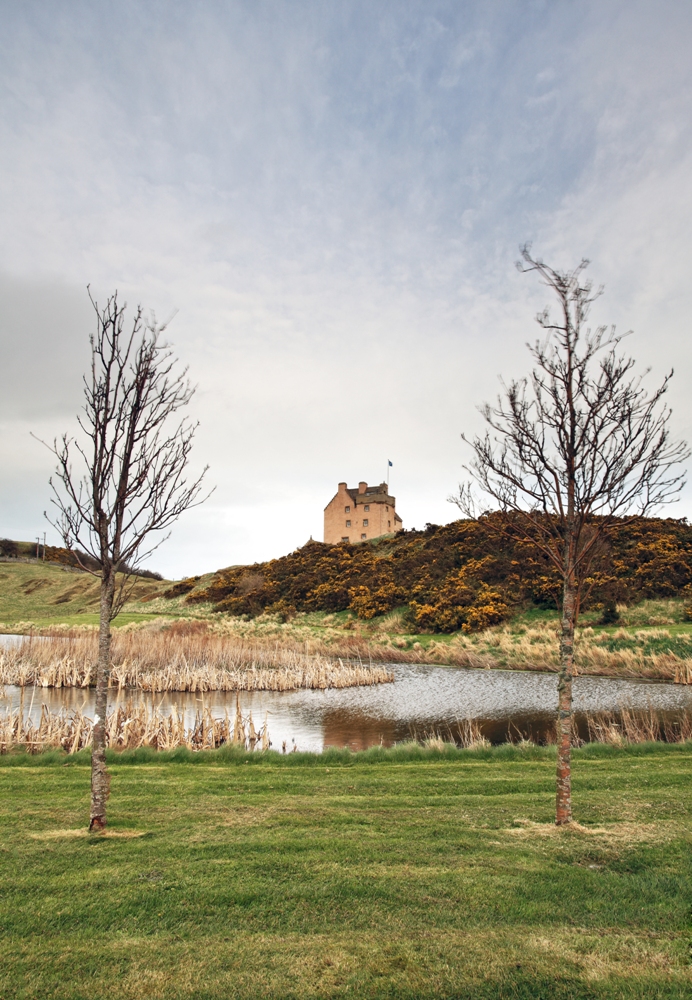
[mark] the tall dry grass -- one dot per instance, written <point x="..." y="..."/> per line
<point x="164" y="660"/>
<point x="233" y="654"/>
<point x="538" y="649"/>
<point x="465" y="733"/>
<point x="510" y="647"/>
<point x="129" y="727"/>
<point x="628" y="726"/>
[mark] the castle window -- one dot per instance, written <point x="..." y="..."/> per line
<point x="348" y="524"/>
<point x="344" y="538"/>
<point x="363" y="536"/>
<point x="389" y="524"/>
<point x="347" y="510"/>
<point x="365" y="523"/>
<point x="367" y="507"/>
<point x="386" y="508"/>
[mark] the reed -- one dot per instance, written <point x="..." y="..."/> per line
<point x="628" y="726"/>
<point x="465" y="733"/>
<point x="129" y="727"/>
<point x="166" y="660"/>
<point x="511" y="647"/>
<point x="266" y="654"/>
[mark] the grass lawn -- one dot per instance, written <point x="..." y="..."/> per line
<point x="371" y="875"/>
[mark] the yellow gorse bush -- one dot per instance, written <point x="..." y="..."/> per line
<point x="467" y="574"/>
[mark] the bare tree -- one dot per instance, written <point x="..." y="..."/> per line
<point x="568" y="450"/>
<point x="130" y="484"/>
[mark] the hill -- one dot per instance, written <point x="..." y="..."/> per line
<point x="48" y="593"/>
<point x="464" y="575"/>
<point x="460" y="576"/>
<point x="37" y="552"/>
<point x="334" y="600"/>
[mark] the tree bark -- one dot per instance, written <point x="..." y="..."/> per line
<point x="563" y="805"/>
<point x="100" y="779"/>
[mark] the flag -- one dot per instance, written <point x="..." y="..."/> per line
<point x="389" y="462"/>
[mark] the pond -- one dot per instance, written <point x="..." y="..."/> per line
<point x="423" y="700"/>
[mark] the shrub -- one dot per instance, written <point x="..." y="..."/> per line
<point x="610" y="614"/>
<point x="466" y="574"/>
<point x="181" y="588"/>
<point x="367" y="603"/>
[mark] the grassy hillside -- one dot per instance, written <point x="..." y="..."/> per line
<point x="47" y="594"/>
<point x="462" y="576"/>
<point x="371" y="876"/>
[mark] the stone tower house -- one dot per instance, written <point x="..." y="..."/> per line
<point x="357" y="515"/>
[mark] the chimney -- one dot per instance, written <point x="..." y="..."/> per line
<point x="341" y="487"/>
<point x="362" y="487"/>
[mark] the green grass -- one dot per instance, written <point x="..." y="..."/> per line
<point x="406" y="873"/>
<point x="45" y="594"/>
<point x="668" y="615"/>
<point x="676" y="641"/>
<point x="43" y="622"/>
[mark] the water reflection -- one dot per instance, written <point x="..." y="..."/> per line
<point x="16" y="640"/>
<point x="422" y="700"/>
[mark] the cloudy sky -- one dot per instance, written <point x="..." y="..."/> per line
<point x="332" y="195"/>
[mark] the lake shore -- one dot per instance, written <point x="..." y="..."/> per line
<point x="424" y="703"/>
<point x="660" y="653"/>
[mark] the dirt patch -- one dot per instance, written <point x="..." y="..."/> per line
<point x="629" y="832"/>
<point x="83" y="832"/>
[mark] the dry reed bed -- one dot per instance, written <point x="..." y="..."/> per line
<point x="161" y="661"/>
<point x="620" y="728"/>
<point x="129" y="727"/>
<point x="508" y="647"/>
<point x="266" y="654"/>
<point x="628" y="726"/>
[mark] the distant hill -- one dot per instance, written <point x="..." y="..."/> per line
<point x="460" y="575"/>
<point x="10" y="549"/>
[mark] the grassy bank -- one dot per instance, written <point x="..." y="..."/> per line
<point x="403" y="873"/>
<point x="42" y="594"/>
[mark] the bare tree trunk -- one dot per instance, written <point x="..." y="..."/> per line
<point x="563" y="805"/>
<point x="100" y="779"/>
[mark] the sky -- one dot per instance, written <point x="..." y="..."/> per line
<point x="331" y="197"/>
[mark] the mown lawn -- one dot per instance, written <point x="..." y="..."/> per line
<point x="373" y="875"/>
